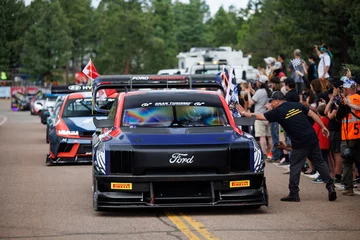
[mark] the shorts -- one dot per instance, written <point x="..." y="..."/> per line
<point x="335" y="141"/>
<point x="262" y="128"/>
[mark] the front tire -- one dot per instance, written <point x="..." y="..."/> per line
<point x="47" y="133"/>
<point x="95" y="197"/>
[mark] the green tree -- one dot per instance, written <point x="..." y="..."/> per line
<point x="13" y="24"/>
<point x="190" y="18"/>
<point x="47" y="45"/>
<point x="162" y="50"/>
<point x="224" y="28"/>
<point x="125" y="31"/>
<point x="78" y="13"/>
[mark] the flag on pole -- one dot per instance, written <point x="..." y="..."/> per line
<point x="90" y="71"/>
<point x="232" y="93"/>
<point x="232" y="90"/>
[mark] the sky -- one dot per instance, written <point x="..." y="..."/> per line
<point x="213" y="4"/>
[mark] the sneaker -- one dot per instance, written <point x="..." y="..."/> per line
<point x="341" y="187"/>
<point x="269" y="155"/>
<point x="317" y="180"/>
<point x="290" y="198"/>
<point x="286" y="172"/>
<point x="332" y="192"/>
<point x="348" y="192"/>
<point x="314" y="176"/>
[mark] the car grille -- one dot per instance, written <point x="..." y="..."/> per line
<point x="84" y="148"/>
<point x="86" y="133"/>
<point x="239" y="159"/>
<point x="120" y="162"/>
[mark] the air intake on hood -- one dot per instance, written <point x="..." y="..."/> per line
<point x="120" y="162"/>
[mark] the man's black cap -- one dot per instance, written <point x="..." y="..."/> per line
<point x="337" y="83"/>
<point x="277" y="95"/>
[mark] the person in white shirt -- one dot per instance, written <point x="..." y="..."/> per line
<point x="324" y="64"/>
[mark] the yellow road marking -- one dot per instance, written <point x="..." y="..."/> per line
<point x="181" y="226"/>
<point x="200" y="228"/>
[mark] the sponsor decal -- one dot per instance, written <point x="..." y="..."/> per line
<point x="67" y="132"/>
<point x="167" y="77"/>
<point x="199" y="103"/>
<point x="159" y="104"/>
<point x="181" y="158"/>
<point x="146" y="104"/>
<point x="79" y="88"/>
<point x="140" y="78"/>
<point x="123" y="186"/>
<point x="238" y="184"/>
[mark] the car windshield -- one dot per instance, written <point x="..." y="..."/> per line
<point x="174" y="116"/>
<point x="82" y="107"/>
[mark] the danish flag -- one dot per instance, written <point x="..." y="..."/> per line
<point x="90" y="70"/>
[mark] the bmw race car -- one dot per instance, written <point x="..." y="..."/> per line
<point x="70" y="136"/>
<point x="174" y="148"/>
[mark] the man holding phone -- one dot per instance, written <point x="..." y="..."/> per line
<point x="305" y="143"/>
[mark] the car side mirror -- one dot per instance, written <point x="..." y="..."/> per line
<point x="103" y="123"/>
<point x="245" y="121"/>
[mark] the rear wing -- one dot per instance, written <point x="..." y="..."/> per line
<point x="125" y="83"/>
<point x="67" y="89"/>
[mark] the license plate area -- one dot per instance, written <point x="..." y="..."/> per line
<point x="182" y="192"/>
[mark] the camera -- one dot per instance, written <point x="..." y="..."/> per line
<point x="337" y="100"/>
<point x="304" y="96"/>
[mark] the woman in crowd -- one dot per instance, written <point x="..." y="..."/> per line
<point x="259" y="100"/>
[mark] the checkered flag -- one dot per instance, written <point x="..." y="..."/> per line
<point x="296" y="62"/>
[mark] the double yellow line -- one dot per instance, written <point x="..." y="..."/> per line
<point x="197" y="226"/>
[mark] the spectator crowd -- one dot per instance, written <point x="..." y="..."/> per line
<point x="336" y="100"/>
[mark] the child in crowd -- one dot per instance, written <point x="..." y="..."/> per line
<point x="323" y="140"/>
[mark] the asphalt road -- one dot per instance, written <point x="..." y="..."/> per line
<point x="40" y="202"/>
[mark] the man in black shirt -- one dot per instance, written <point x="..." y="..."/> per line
<point x="293" y="118"/>
<point x="291" y="95"/>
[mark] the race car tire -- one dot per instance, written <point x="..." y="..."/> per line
<point x="95" y="202"/>
<point x="47" y="133"/>
<point x="47" y="162"/>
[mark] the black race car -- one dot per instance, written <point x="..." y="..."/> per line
<point x="173" y="148"/>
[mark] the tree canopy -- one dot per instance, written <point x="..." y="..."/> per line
<point x="144" y="36"/>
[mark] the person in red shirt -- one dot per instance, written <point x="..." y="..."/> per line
<point x="324" y="141"/>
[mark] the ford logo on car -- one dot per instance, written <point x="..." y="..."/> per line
<point x="181" y="158"/>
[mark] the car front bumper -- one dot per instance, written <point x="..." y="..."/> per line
<point x="70" y="150"/>
<point x="200" y="190"/>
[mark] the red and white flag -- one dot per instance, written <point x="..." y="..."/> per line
<point x="90" y="70"/>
